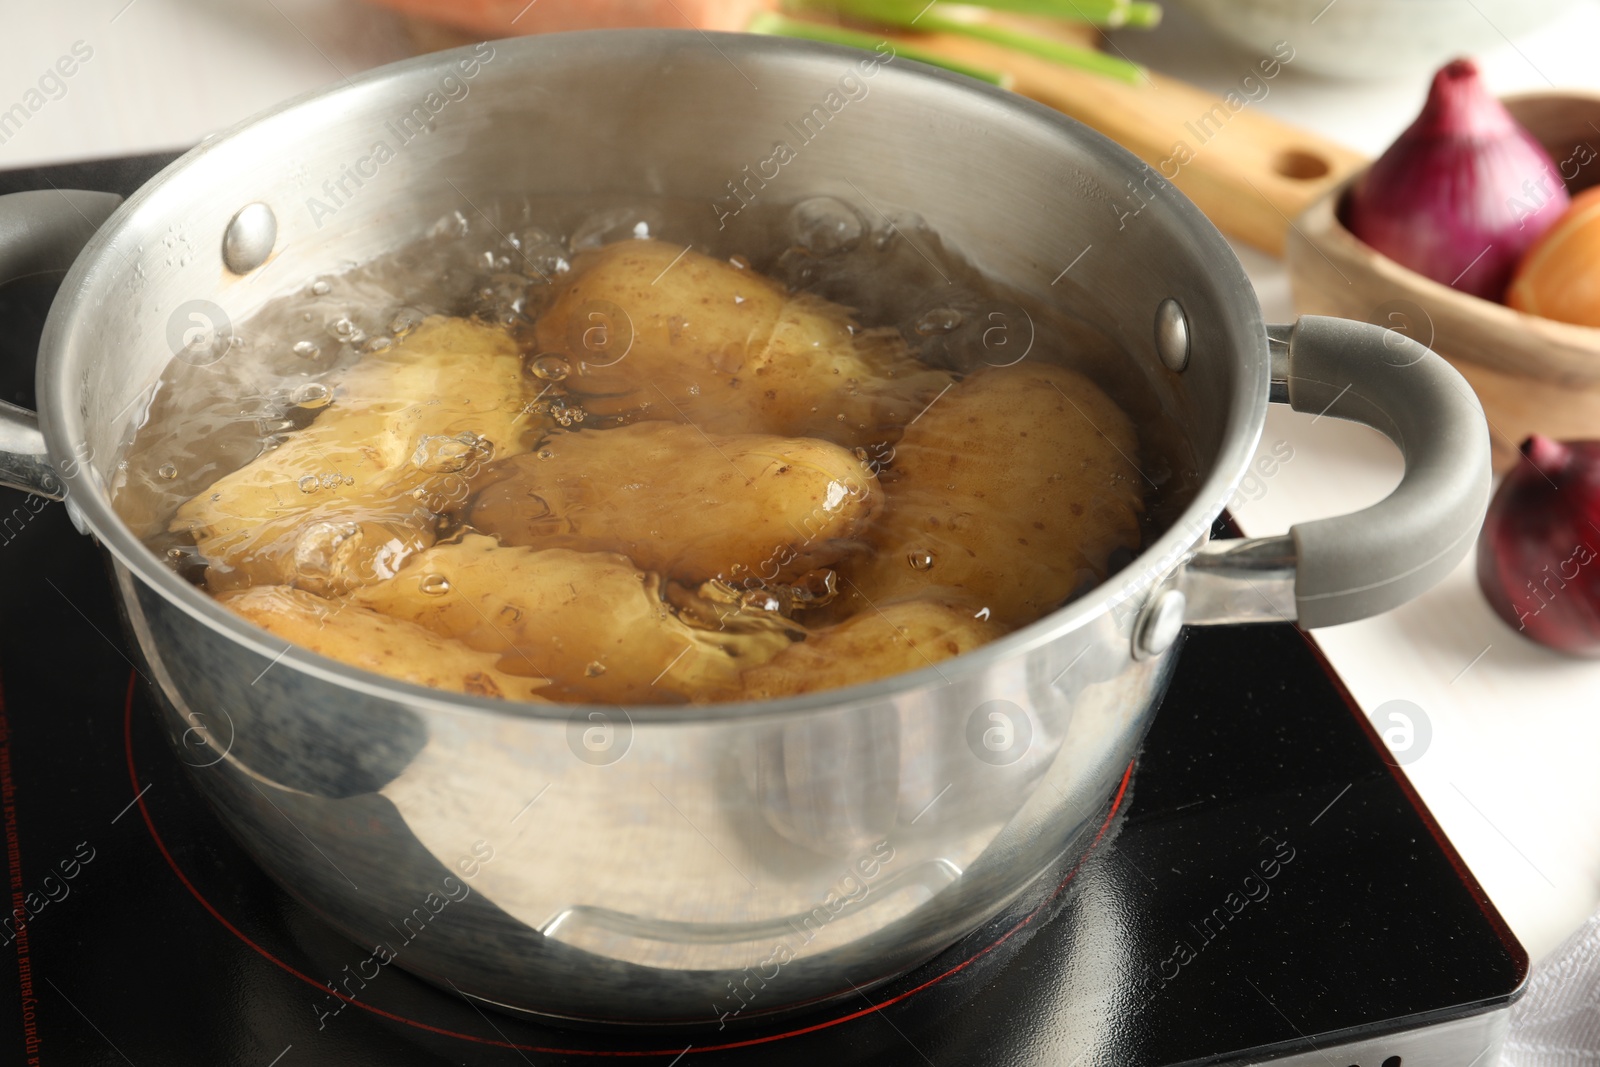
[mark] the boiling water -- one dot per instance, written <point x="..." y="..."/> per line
<point x="210" y="417"/>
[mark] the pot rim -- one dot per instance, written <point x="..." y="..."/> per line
<point x="90" y="505"/>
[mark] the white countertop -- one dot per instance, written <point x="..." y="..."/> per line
<point x="1510" y="771"/>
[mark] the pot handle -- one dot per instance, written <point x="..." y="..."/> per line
<point x="1353" y="566"/>
<point x="40" y="233"/>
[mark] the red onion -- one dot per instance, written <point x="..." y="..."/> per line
<point x="1539" y="554"/>
<point x="1462" y="193"/>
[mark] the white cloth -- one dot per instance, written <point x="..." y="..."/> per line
<point x="1557" y="1021"/>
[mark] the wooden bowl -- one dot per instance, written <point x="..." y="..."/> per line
<point x="1532" y="374"/>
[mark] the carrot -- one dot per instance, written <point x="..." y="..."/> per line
<point x="505" y="18"/>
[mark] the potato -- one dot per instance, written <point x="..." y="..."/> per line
<point x="345" y="500"/>
<point x="366" y="639"/>
<point x="900" y="637"/>
<point x="691" y="505"/>
<point x="590" y="622"/>
<point x="652" y="331"/>
<point x="1009" y="493"/>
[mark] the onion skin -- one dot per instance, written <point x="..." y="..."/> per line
<point x="1559" y="278"/>
<point x="1539" y="553"/>
<point x="1463" y="193"/>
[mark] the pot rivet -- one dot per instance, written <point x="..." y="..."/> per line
<point x="1172" y="335"/>
<point x="1159" y="624"/>
<point x="248" y="240"/>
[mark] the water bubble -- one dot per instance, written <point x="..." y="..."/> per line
<point x="760" y="600"/>
<point x="565" y="412"/>
<point x="937" y="321"/>
<point x="434" y="585"/>
<point x="503" y="297"/>
<point x="549" y="367"/>
<point x="347" y="331"/>
<point x="454" y="224"/>
<point x="546" y="261"/>
<point x="380" y="344"/>
<point x="826" y="225"/>
<point x="797" y="267"/>
<point x="594" y="669"/>
<point x="320" y="288"/>
<point x="312" y="395"/>
<point x="532" y="237"/>
<point x="168" y="471"/>
<point x="307" y="483"/>
<point x="545" y="453"/>
<point x="920" y="559"/>
<point x="440" y="454"/>
<point x="306" y="350"/>
<point x="615" y="224"/>
<point x="405" y="320"/>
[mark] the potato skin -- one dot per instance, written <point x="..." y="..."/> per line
<point x="690" y="505"/>
<point x="1011" y="492"/>
<point x="407" y="431"/>
<point x="556" y="613"/>
<point x="654" y="332"/>
<point x="893" y="639"/>
<point x="372" y="641"/>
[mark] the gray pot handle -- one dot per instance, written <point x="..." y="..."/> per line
<point x="40" y="233"/>
<point x="1353" y="566"/>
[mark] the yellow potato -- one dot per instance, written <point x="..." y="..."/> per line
<point x="691" y="505"/>
<point x="591" y="622"/>
<point x="366" y="639"/>
<point x="1009" y="493"/>
<point x="875" y="644"/>
<point x="651" y="331"/>
<point x="345" y="500"/>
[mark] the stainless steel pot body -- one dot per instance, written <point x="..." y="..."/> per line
<point x="693" y="865"/>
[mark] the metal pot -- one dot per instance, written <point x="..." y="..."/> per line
<point x="700" y="864"/>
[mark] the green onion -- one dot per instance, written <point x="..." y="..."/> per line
<point x="1111" y="14"/>
<point x="931" y="17"/>
<point x="779" y="26"/>
<point x="1108" y="13"/>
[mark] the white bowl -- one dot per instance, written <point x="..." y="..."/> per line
<point x="1374" y="39"/>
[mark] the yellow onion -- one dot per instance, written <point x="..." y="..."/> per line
<point x="1559" y="278"/>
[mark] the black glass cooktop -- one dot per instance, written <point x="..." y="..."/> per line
<point x="1264" y="886"/>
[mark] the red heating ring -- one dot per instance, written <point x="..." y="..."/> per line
<point x="133" y="776"/>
